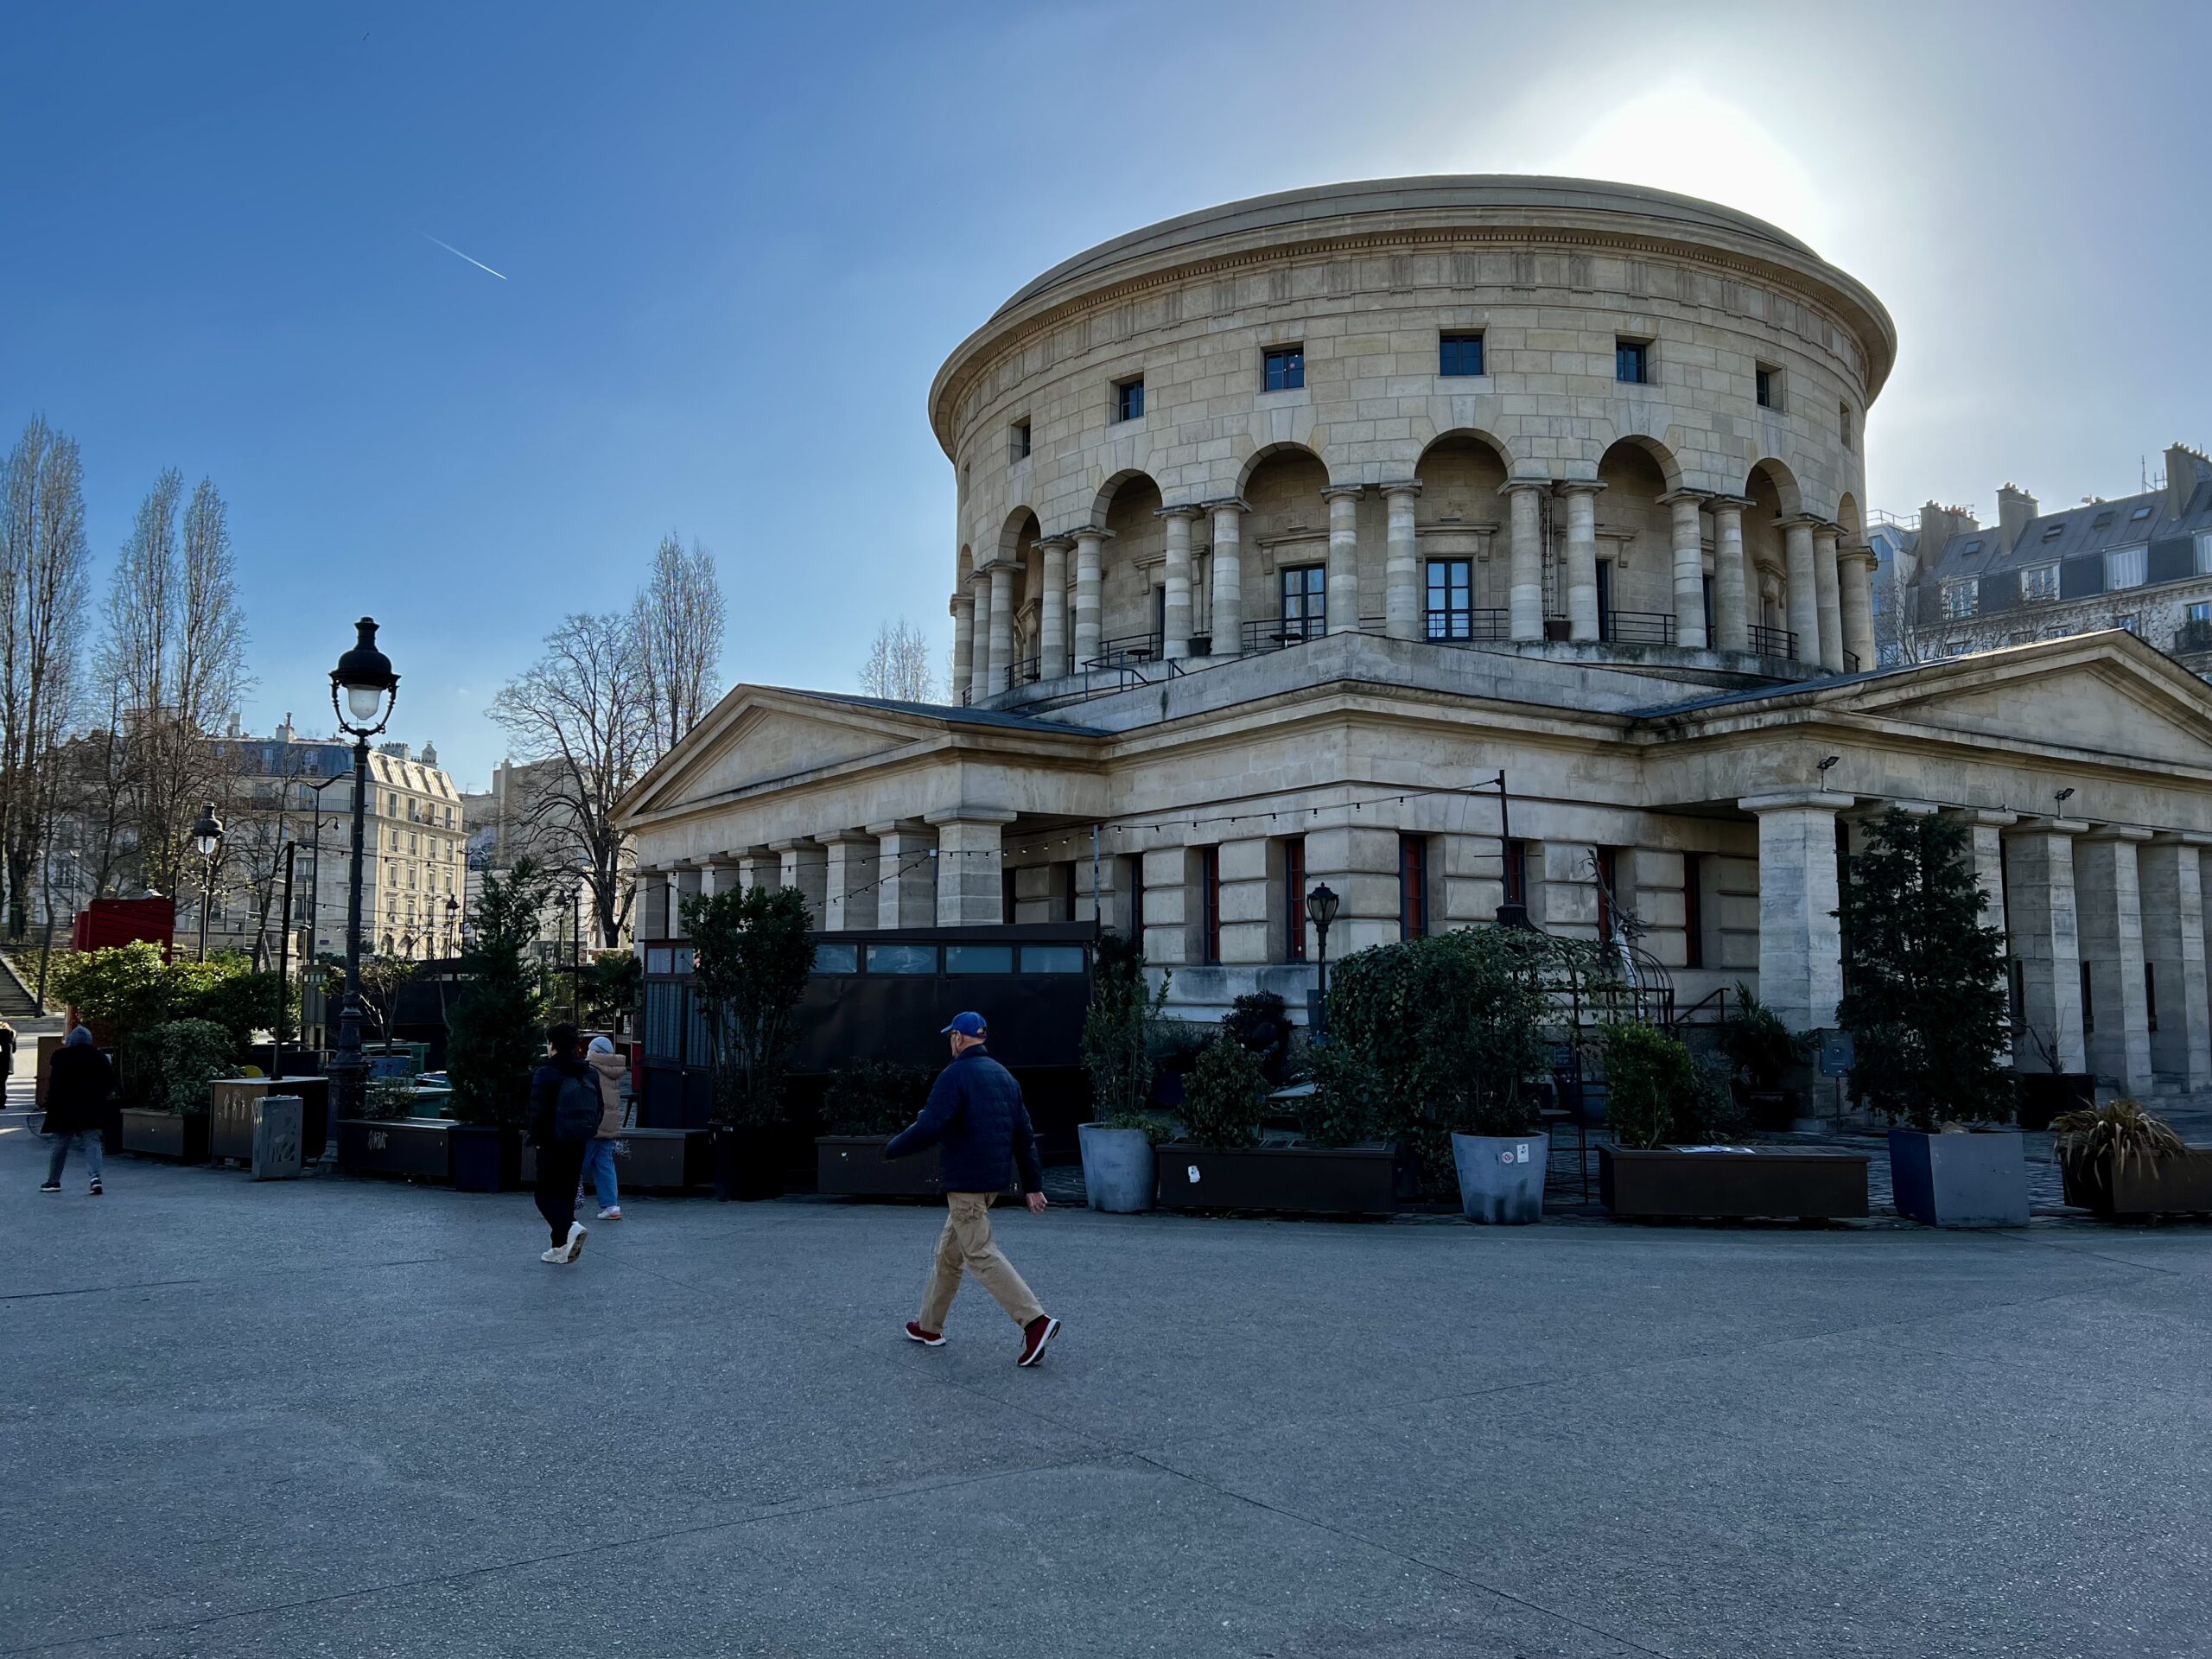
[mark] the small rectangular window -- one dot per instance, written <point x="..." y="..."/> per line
<point x="1632" y="361"/>
<point x="837" y="958"/>
<point x="1021" y="440"/>
<point x="2038" y="584"/>
<point x="2201" y="611"/>
<point x="1128" y="399"/>
<point x="1843" y="423"/>
<point x="1282" y="369"/>
<point x="2204" y="552"/>
<point x="2052" y="532"/>
<point x="2143" y="511"/>
<point x="1052" y="959"/>
<point x="1450" y="598"/>
<point x="1767" y="387"/>
<point x="902" y="958"/>
<point x="1459" y="354"/>
<point x="2124" y="567"/>
<point x="1304" y="602"/>
<point x="1959" y="597"/>
<point x="978" y="959"/>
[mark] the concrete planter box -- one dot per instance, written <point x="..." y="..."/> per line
<point x="412" y="1148"/>
<point x="1960" y="1180"/>
<point x="1293" y="1180"/>
<point x="1502" y="1177"/>
<point x="1668" y="1183"/>
<point x="229" y="1116"/>
<point x="649" y="1161"/>
<point x="1120" y="1173"/>
<point x="166" y="1134"/>
<point x="2178" y="1185"/>
<point x="486" y="1158"/>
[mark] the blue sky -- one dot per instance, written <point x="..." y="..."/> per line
<point x="738" y="241"/>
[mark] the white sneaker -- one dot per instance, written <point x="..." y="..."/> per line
<point x="613" y="1212"/>
<point x="558" y="1254"/>
<point x="574" y="1247"/>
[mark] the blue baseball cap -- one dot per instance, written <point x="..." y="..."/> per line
<point x="968" y="1025"/>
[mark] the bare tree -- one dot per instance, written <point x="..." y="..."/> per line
<point x="898" y="665"/>
<point x="581" y="714"/>
<point x="677" y="618"/>
<point x="44" y="561"/>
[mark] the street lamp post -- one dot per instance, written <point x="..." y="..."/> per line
<point x="207" y="836"/>
<point x="363" y="689"/>
<point x="453" y="925"/>
<point x="1321" y="906"/>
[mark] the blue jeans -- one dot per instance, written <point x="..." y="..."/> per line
<point x="599" y="1169"/>
<point x="86" y="1141"/>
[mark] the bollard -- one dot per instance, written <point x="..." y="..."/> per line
<point x="277" y="1123"/>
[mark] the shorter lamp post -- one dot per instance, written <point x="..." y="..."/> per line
<point x="207" y="836"/>
<point x="1321" y="906"/>
<point x="453" y="925"/>
<point x="363" y="689"/>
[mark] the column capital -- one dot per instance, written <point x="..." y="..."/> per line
<point x="1514" y="486"/>
<point x="1353" y="492"/>
<point x="2117" y="832"/>
<point x="844" y="837"/>
<point x="992" y="567"/>
<point x="1094" y="532"/>
<point x="1696" y="498"/>
<point x="2049" y="823"/>
<point x="1825" y="529"/>
<point x="1227" y="504"/>
<point x="1400" y="486"/>
<point x="970" y="815"/>
<point x="791" y="845"/>
<point x="1988" y="817"/>
<point x="1916" y="808"/>
<point x="1805" y="521"/>
<point x="1185" y="509"/>
<point x="1054" y="543"/>
<point x="1721" y="501"/>
<point x="1858" y="553"/>
<point x="898" y="827"/>
<point x="979" y="573"/>
<point x="1797" y="800"/>
<point x="1580" y="487"/>
<point x="952" y="606"/>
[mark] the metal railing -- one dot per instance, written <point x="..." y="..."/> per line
<point x="1125" y="649"/>
<point x="1273" y="633"/>
<point x="1851" y="661"/>
<point x="1451" y="628"/>
<point x="2194" y="635"/>
<point x="1636" y="627"/>
<point x="1774" y="642"/>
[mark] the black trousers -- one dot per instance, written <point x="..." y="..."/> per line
<point x="559" y="1165"/>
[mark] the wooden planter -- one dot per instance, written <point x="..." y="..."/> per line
<point x="1291" y="1181"/>
<point x="2178" y="1185"/>
<point x="166" y="1134"/>
<point x="230" y="1118"/>
<point x="1668" y="1183"/>
<point x="650" y="1161"/>
<point x="412" y="1147"/>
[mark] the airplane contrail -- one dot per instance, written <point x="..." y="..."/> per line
<point x="458" y="254"/>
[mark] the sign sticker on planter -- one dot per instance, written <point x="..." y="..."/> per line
<point x="1521" y="1152"/>
<point x="1192" y="1170"/>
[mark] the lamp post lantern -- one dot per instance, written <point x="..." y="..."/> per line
<point x="1321" y="906"/>
<point x="453" y="925"/>
<point x="207" y="836"/>
<point x="363" y="689"/>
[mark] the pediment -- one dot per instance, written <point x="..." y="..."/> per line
<point x="2103" y="704"/>
<point x="757" y="736"/>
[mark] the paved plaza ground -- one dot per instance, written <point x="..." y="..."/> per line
<point x="340" y="1417"/>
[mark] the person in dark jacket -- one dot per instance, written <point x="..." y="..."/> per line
<point x="78" y="1091"/>
<point x="560" y="1162"/>
<point x="976" y="1114"/>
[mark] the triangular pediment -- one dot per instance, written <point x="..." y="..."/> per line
<point x="762" y="734"/>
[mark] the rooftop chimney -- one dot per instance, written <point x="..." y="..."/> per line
<point x="2016" y="511"/>
<point x="2185" y="469"/>
<point x="1937" y="526"/>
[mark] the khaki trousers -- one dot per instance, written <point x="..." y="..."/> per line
<point x="966" y="1243"/>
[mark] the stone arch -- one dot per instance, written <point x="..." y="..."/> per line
<point x="1132" y="565"/>
<point x="1847" y="515"/>
<point x="1288" y="524"/>
<point x="966" y="566"/>
<point x="1103" y="501"/>
<point x="1634" y="527"/>
<point x="1772" y="491"/>
<point x="1465" y="512"/>
<point x="1268" y="454"/>
<point x="1781" y="482"/>
<point x="1656" y="449"/>
<point x="1017" y="533"/>
<point x="1018" y="544"/>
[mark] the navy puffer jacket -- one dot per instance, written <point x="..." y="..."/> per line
<point x="975" y="1112"/>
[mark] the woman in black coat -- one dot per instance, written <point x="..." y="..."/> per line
<point x="80" y="1090"/>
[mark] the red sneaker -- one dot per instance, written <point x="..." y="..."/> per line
<point x="1035" y="1335"/>
<point x="927" y="1338"/>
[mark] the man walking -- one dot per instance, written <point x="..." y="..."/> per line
<point x="977" y="1114"/>
<point x="564" y="1115"/>
<point x="77" y="1089"/>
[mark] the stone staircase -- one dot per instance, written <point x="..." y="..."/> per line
<point x="16" y="999"/>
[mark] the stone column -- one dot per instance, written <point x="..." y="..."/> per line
<point x="1803" y="597"/>
<point x="1175" y="614"/>
<point x="848" y="891"/>
<point x="979" y="634"/>
<point x="803" y="865"/>
<point x="1343" y="556"/>
<point x="1089" y="558"/>
<point x="652" y="905"/>
<point x="1402" y="583"/>
<point x="1731" y="576"/>
<point x="1856" y="602"/>
<point x="1248" y="899"/>
<point x="2173" y="942"/>
<point x="682" y="883"/>
<point x="759" y="869"/>
<point x="1801" y="943"/>
<point x="1527" y="593"/>
<point x="2046" y="937"/>
<point x="2108" y="880"/>
<point x="1582" y="560"/>
<point x="963" y="642"/>
<point x="1986" y="838"/>
<point x="969" y="889"/>
<point x="1171" y="906"/>
<point x="1227" y="576"/>
<point x="905" y="891"/>
<point x="1828" y="599"/>
<point x="1001" y="673"/>
<point x="1052" y="609"/>
<point x="1689" y="569"/>
<point x="1360" y="863"/>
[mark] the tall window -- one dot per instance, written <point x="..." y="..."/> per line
<point x="1136" y="894"/>
<point x="1128" y="398"/>
<point x="2088" y="1002"/>
<point x="2038" y="584"/>
<point x="1412" y="887"/>
<point x="2151" y="992"/>
<point x="1450" y="598"/>
<point x="1459" y="354"/>
<point x="1766" y="383"/>
<point x="1693" y="912"/>
<point x="1020" y="439"/>
<point x="1293" y="899"/>
<point x="1304" y="600"/>
<point x="1632" y="361"/>
<point x="1516" y="872"/>
<point x="1067" y="891"/>
<point x="2124" y="567"/>
<point x="1282" y="369"/>
<point x="1609" y="887"/>
<point x="1843" y="423"/>
<point x="1604" y="599"/>
<point x="1210" y="901"/>
<point x="2203" y="559"/>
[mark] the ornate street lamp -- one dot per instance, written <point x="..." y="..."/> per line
<point x="363" y="689"/>
<point x="207" y="836"/>
<point x="453" y="925"/>
<point x="1321" y="906"/>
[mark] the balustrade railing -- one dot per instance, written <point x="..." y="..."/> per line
<point x="1636" y="627"/>
<point x="1774" y="642"/>
<point x="1453" y="627"/>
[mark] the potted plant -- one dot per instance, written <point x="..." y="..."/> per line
<point x="1658" y="1096"/>
<point x="1120" y="1042"/>
<point x="863" y="1107"/>
<point x="751" y="956"/>
<point x="1925" y="1001"/>
<point x="1221" y="1164"/>
<point x="2119" y="1160"/>
<point x="2047" y="1095"/>
<point x="495" y="1033"/>
<point x="1763" y="1052"/>
<point x="172" y="1068"/>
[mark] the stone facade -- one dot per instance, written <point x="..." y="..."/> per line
<point x="1251" y="640"/>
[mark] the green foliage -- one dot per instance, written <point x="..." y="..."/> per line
<point x="1225" y="1097"/>
<point x="174" y="1063"/>
<point x="1924" y="977"/>
<point x="494" y="1029"/>
<point x="238" y="999"/>
<point x="1157" y="1128"/>
<point x="751" y="958"/>
<point x="1349" y="1099"/>
<point x="389" y="1097"/>
<point x="2093" y="1145"/>
<point x="873" y="1098"/>
<point x="1762" y="1049"/>
<point x="1123" y="1028"/>
<point x="1653" y="1088"/>
<point x="1261" y="1021"/>
<point x="607" y="988"/>
<point x="128" y="986"/>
